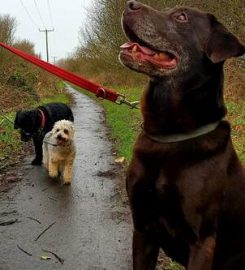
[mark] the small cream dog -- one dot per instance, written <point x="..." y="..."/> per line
<point x="59" y="150"/>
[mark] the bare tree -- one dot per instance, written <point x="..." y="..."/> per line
<point x="7" y="29"/>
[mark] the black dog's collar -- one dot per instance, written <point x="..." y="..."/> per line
<point x="43" y="118"/>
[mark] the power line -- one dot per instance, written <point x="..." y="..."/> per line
<point x="29" y="15"/>
<point x="39" y="13"/>
<point x="50" y="13"/>
<point x="53" y="37"/>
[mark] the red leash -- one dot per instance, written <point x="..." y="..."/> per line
<point x="95" y="88"/>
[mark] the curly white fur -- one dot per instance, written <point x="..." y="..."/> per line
<point x="59" y="150"/>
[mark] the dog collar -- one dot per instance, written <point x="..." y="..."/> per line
<point x="43" y="118"/>
<point x="57" y="145"/>
<point x="183" y="136"/>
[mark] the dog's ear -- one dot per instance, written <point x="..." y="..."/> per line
<point x="222" y="44"/>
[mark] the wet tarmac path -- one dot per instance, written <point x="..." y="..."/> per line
<point x="86" y="225"/>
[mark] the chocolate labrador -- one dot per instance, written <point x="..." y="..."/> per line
<point x="185" y="183"/>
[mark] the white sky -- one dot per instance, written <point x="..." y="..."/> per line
<point x="67" y="17"/>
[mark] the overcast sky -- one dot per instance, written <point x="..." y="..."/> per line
<point x="65" y="16"/>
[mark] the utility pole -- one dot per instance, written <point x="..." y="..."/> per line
<point x="46" y="35"/>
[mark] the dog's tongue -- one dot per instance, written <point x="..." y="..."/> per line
<point x="60" y="141"/>
<point x="132" y="45"/>
<point x="141" y="53"/>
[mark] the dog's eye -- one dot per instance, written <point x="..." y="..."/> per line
<point x="66" y="131"/>
<point x="180" y="17"/>
<point x="57" y="130"/>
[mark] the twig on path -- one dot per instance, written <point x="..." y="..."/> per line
<point x="35" y="220"/>
<point x="52" y="199"/>
<point x="8" y="213"/>
<point x="9" y="222"/>
<point x="55" y="255"/>
<point x="29" y="254"/>
<point x="44" y="231"/>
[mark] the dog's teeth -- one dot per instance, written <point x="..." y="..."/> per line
<point x="134" y="48"/>
<point x="162" y="56"/>
<point x="155" y="55"/>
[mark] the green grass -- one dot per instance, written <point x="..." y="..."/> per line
<point x="57" y="98"/>
<point x="124" y="122"/>
<point x="8" y="137"/>
<point x="173" y="266"/>
<point x="236" y="115"/>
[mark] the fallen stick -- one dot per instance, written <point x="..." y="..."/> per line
<point x="9" y="222"/>
<point x="35" y="220"/>
<point x="44" y="231"/>
<point x="8" y="213"/>
<point x="52" y="199"/>
<point x="55" y="255"/>
<point x="29" y="254"/>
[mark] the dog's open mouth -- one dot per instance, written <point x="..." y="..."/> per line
<point x="140" y="53"/>
<point x="61" y="141"/>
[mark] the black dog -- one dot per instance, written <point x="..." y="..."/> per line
<point x="37" y="122"/>
<point x="185" y="183"/>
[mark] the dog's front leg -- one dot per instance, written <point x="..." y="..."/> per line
<point x="202" y="251"/>
<point x="67" y="174"/>
<point x="53" y="168"/>
<point x="38" y="142"/>
<point x="145" y="244"/>
<point x="45" y="156"/>
<point x="201" y="254"/>
<point x="145" y="251"/>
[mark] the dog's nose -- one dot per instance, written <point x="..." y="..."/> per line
<point x="133" y="5"/>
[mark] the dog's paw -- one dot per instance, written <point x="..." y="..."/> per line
<point x="53" y="174"/>
<point x="67" y="183"/>
<point x="36" y="162"/>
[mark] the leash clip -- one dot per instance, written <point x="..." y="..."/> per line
<point x="101" y="93"/>
<point x="122" y="100"/>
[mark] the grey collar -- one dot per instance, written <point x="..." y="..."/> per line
<point x="183" y="136"/>
<point x="50" y="143"/>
